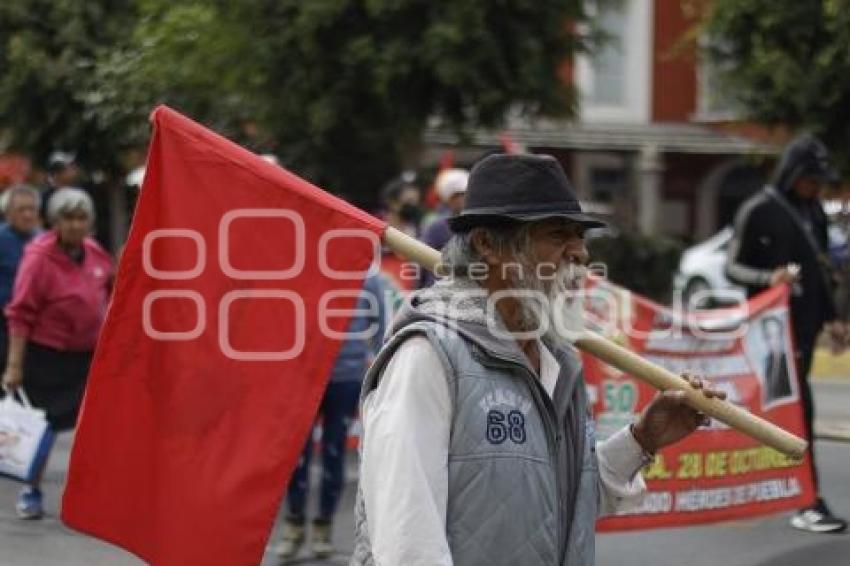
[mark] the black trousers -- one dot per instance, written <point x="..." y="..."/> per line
<point x="54" y="381"/>
<point x="805" y="353"/>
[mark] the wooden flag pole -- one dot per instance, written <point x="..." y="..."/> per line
<point x="740" y="419"/>
<point x="632" y="364"/>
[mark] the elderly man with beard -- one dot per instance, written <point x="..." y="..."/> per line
<point x="478" y="446"/>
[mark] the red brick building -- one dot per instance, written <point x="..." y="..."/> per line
<point x="655" y="144"/>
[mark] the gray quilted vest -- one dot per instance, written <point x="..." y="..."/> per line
<point x="522" y="466"/>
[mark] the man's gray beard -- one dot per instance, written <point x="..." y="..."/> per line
<point x="555" y="302"/>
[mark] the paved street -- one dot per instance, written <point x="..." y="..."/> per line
<point x="744" y="543"/>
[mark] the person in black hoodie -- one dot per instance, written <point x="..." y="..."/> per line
<point x="781" y="237"/>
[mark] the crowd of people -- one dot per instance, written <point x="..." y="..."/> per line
<point x="55" y="281"/>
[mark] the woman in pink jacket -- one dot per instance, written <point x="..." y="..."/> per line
<point x="57" y="308"/>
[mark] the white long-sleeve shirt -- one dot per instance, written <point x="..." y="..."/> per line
<point x="404" y="468"/>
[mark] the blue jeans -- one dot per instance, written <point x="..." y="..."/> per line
<point x="338" y="408"/>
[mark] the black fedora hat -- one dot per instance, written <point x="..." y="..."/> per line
<point x="508" y="188"/>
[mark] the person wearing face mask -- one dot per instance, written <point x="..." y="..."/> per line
<point x="57" y="308"/>
<point x="403" y="211"/>
<point x="403" y="203"/>
<point x="781" y="238"/>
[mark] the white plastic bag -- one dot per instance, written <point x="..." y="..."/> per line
<point x="25" y="437"/>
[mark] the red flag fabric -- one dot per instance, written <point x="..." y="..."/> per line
<point x="232" y="293"/>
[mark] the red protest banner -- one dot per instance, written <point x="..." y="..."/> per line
<point x="233" y="292"/>
<point x="717" y="473"/>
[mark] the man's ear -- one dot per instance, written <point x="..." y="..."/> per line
<point x="484" y="246"/>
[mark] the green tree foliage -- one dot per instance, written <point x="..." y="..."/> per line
<point x="190" y="55"/>
<point x="787" y="62"/>
<point x="367" y="75"/>
<point x="48" y="53"/>
<point x="344" y="88"/>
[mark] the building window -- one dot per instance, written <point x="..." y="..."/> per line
<point x="608" y="81"/>
<point x="602" y="180"/>
<point x="606" y="183"/>
<point x="714" y="101"/>
<point x="615" y="82"/>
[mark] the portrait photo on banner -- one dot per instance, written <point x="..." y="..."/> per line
<point x="769" y="350"/>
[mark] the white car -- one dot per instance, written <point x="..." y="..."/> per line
<point x="702" y="268"/>
<point x="701" y="279"/>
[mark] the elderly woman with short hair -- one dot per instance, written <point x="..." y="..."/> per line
<point x="21" y="206"/>
<point x="57" y="308"/>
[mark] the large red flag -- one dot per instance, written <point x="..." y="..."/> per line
<point x="231" y="295"/>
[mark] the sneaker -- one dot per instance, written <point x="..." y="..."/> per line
<point x="291" y="540"/>
<point x="818" y="519"/>
<point x="321" y="539"/>
<point x="29" y="504"/>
